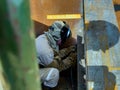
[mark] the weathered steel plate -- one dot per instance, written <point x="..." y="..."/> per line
<point x="102" y="44"/>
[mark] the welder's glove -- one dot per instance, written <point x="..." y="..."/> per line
<point x="63" y="64"/>
<point x="66" y="51"/>
<point x="73" y="48"/>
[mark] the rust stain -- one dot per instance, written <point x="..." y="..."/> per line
<point x="116" y="87"/>
<point x="91" y="88"/>
<point x="113" y="68"/>
<point x="116" y="1"/>
<point x="106" y="55"/>
<point x="86" y="25"/>
<point x="118" y="18"/>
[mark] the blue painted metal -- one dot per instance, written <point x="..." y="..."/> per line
<point x="102" y="45"/>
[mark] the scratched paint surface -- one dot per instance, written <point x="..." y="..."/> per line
<point x="102" y="42"/>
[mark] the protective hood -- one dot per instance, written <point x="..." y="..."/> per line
<point x="53" y="34"/>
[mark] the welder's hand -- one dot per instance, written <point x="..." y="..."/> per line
<point x="73" y="48"/>
<point x="71" y="58"/>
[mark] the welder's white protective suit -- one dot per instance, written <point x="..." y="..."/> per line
<point x="45" y="55"/>
<point x="49" y="76"/>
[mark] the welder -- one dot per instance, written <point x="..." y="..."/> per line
<point x="50" y="57"/>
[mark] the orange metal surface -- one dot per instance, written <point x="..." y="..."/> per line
<point x="117" y="2"/>
<point x="40" y="9"/>
<point x="118" y="18"/>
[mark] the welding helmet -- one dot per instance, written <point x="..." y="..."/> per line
<point x="60" y="31"/>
